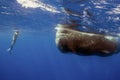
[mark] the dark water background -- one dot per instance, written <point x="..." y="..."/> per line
<point x="35" y="56"/>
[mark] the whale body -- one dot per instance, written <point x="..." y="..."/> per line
<point x="84" y="43"/>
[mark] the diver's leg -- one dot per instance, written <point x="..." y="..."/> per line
<point x="11" y="46"/>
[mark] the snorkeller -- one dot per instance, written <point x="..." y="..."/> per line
<point x="70" y="39"/>
<point x="14" y="38"/>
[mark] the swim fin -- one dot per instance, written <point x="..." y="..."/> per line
<point x="9" y="50"/>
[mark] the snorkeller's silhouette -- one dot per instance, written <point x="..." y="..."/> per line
<point x="14" y="38"/>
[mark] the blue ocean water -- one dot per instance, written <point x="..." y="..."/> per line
<point x="35" y="55"/>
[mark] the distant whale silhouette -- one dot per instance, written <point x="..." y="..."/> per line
<point x="69" y="39"/>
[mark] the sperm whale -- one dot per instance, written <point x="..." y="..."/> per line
<point x="84" y="43"/>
